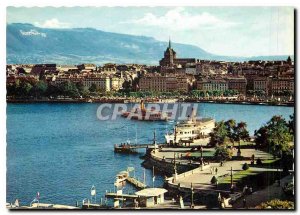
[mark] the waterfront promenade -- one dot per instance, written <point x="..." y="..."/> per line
<point x="199" y="177"/>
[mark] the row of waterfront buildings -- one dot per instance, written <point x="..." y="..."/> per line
<point x="173" y="74"/>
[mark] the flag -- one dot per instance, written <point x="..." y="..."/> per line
<point x="93" y="191"/>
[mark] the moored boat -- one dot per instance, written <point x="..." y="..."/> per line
<point x="187" y="131"/>
<point x="144" y="114"/>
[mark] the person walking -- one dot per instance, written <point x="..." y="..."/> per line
<point x="250" y="190"/>
<point x="244" y="203"/>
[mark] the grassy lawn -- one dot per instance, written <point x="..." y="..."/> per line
<point x="245" y="143"/>
<point x="270" y="161"/>
<point x="237" y="176"/>
<point x="205" y="154"/>
<point x="242" y="143"/>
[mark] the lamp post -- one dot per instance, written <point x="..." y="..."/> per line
<point x="192" y="191"/>
<point x="175" y="169"/>
<point x="239" y="150"/>
<point x="231" y="178"/>
<point x="154" y="140"/>
<point x="201" y="159"/>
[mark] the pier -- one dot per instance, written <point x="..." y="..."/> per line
<point x="122" y="196"/>
<point x="136" y="183"/>
<point x="132" y="148"/>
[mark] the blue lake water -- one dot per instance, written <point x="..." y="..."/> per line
<point x="61" y="150"/>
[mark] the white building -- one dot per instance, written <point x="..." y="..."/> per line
<point x="102" y="82"/>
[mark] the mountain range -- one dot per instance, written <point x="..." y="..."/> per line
<point x="28" y="44"/>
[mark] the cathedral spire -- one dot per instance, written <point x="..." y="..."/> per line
<point x="169" y="42"/>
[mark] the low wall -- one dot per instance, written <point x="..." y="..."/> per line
<point x="166" y="165"/>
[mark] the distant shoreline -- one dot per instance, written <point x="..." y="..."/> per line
<point x="31" y="101"/>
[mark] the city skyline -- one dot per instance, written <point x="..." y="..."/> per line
<point x="230" y="31"/>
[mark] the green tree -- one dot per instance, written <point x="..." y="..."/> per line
<point x="275" y="136"/>
<point x="230" y="126"/>
<point x="53" y="91"/>
<point x="24" y="89"/>
<point x="291" y="124"/>
<point x="80" y="87"/>
<point x="68" y="88"/>
<point x="11" y="89"/>
<point x="241" y="132"/>
<point x="261" y="137"/>
<point x="223" y="153"/>
<point x="93" y="88"/>
<point x="85" y="93"/>
<point x="219" y="134"/>
<point x="39" y="89"/>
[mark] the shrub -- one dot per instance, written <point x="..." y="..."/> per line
<point x="289" y="189"/>
<point x="276" y="204"/>
<point x="214" y="180"/>
<point x="258" y="161"/>
<point x="245" y="166"/>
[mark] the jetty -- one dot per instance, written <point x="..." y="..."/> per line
<point x="120" y="196"/>
<point x="128" y="148"/>
<point x="136" y="183"/>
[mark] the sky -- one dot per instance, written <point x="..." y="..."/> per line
<point x="230" y="31"/>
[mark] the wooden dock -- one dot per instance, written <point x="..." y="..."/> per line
<point x="122" y="196"/>
<point x="136" y="183"/>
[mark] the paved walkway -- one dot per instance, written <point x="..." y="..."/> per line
<point x="201" y="179"/>
<point x="169" y="153"/>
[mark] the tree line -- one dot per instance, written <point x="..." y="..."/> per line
<point x="28" y="88"/>
<point x="274" y="137"/>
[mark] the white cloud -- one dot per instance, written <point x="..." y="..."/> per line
<point x="53" y="23"/>
<point x="179" y="19"/>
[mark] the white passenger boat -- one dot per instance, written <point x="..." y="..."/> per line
<point x="187" y="131"/>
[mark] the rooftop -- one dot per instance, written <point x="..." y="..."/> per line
<point x="149" y="192"/>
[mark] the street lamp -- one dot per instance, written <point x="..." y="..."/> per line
<point x="175" y="169"/>
<point x="192" y="191"/>
<point x="231" y="178"/>
<point x="201" y="158"/>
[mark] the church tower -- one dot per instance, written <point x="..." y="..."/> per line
<point x="169" y="56"/>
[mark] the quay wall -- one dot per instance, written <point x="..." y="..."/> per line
<point x="289" y="104"/>
<point x="165" y="166"/>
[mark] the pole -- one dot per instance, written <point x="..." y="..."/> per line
<point x="153" y="177"/>
<point x="192" y="190"/>
<point x="136" y="134"/>
<point x="231" y="178"/>
<point x="144" y="176"/>
<point x="154" y="140"/>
